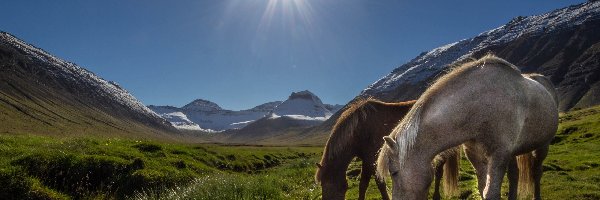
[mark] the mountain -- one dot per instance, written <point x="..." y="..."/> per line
<point x="300" y="111"/>
<point x="563" y="44"/>
<point x="333" y="108"/>
<point x="302" y="105"/>
<point x="208" y="116"/>
<point x="43" y="94"/>
<point x="201" y="105"/>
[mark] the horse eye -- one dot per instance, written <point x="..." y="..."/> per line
<point x="394" y="173"/>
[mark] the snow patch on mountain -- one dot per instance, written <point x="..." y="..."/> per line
<point x="179" y="120"/>
<point x="299" y="117"/>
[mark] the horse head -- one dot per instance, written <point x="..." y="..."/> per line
<point x="333" y="183"/>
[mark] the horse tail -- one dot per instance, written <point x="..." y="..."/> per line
<point x="451" y="167"/>
<point x="525" y="164"/>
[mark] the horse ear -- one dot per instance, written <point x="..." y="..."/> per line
<point x="319" y="165"/>
<point x="390" y="142"/>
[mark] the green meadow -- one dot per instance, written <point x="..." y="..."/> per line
<point x="39" y="167"/>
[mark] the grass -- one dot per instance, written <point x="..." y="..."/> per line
<point x="38" y="167"/>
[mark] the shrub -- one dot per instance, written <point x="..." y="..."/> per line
<point x="147" y="147"/>
<point x="76" y="175"/>
<point x="16" y="185"/>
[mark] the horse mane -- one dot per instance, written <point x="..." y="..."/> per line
<point x="344" y="129"/>
<point x="465" y="66"/>
<point x="382" y="164"/>
<point x="405" y="133"/>
<point x="407" y="129"/>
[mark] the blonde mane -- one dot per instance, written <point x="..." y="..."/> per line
<point x="407" y="130"/>
<point x="462" y="67"/>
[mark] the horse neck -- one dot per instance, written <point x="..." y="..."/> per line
<point x="390" y="112"/>
<point x="332" y="166"/>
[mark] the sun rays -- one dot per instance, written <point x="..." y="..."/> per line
<point x="291" y="13"/>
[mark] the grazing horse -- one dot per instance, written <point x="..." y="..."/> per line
<point x="358" y="133"/>
<point x="520" y="168"/>
<point x="487" y="105"/>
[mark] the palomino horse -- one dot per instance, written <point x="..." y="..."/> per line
<point x="485" y="105"/>
<point x="358" y="133"/>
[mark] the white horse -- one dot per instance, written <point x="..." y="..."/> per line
<point x="486" y="105"/>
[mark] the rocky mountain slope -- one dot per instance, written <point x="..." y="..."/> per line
<point x="207" y="116"/>
<point x="43" y="94"/>
<point x="563" y="44"/>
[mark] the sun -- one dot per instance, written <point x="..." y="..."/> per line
<point x="293" y="12"/>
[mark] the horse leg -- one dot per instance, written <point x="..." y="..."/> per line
<point x="496" y="169"/>
<point x="513" y="178"/>
<point x="539" y="156"/>
<point x="479" y="162"/>
<point x="381" y="186"/>
<point x="365" y="177"/>
<point x="439" y="172"/>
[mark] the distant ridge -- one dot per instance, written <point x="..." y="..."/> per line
<point x="207" y="116"/>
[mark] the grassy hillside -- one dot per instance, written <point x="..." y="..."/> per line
<point x="37" y="167"/>
<point x="44" y="96"/>
<point x="573" y="165"/>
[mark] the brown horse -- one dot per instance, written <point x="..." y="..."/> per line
<point x="358" y="133"/>
<point x="486" y="105"/>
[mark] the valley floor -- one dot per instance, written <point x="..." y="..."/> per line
<point x="37" y="167"/>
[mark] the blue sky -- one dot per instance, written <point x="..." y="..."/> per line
<point x="241" y="53"/>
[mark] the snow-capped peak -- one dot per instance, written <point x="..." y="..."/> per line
<point x="202" y="105"/>
<point x="303" y="103"/>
